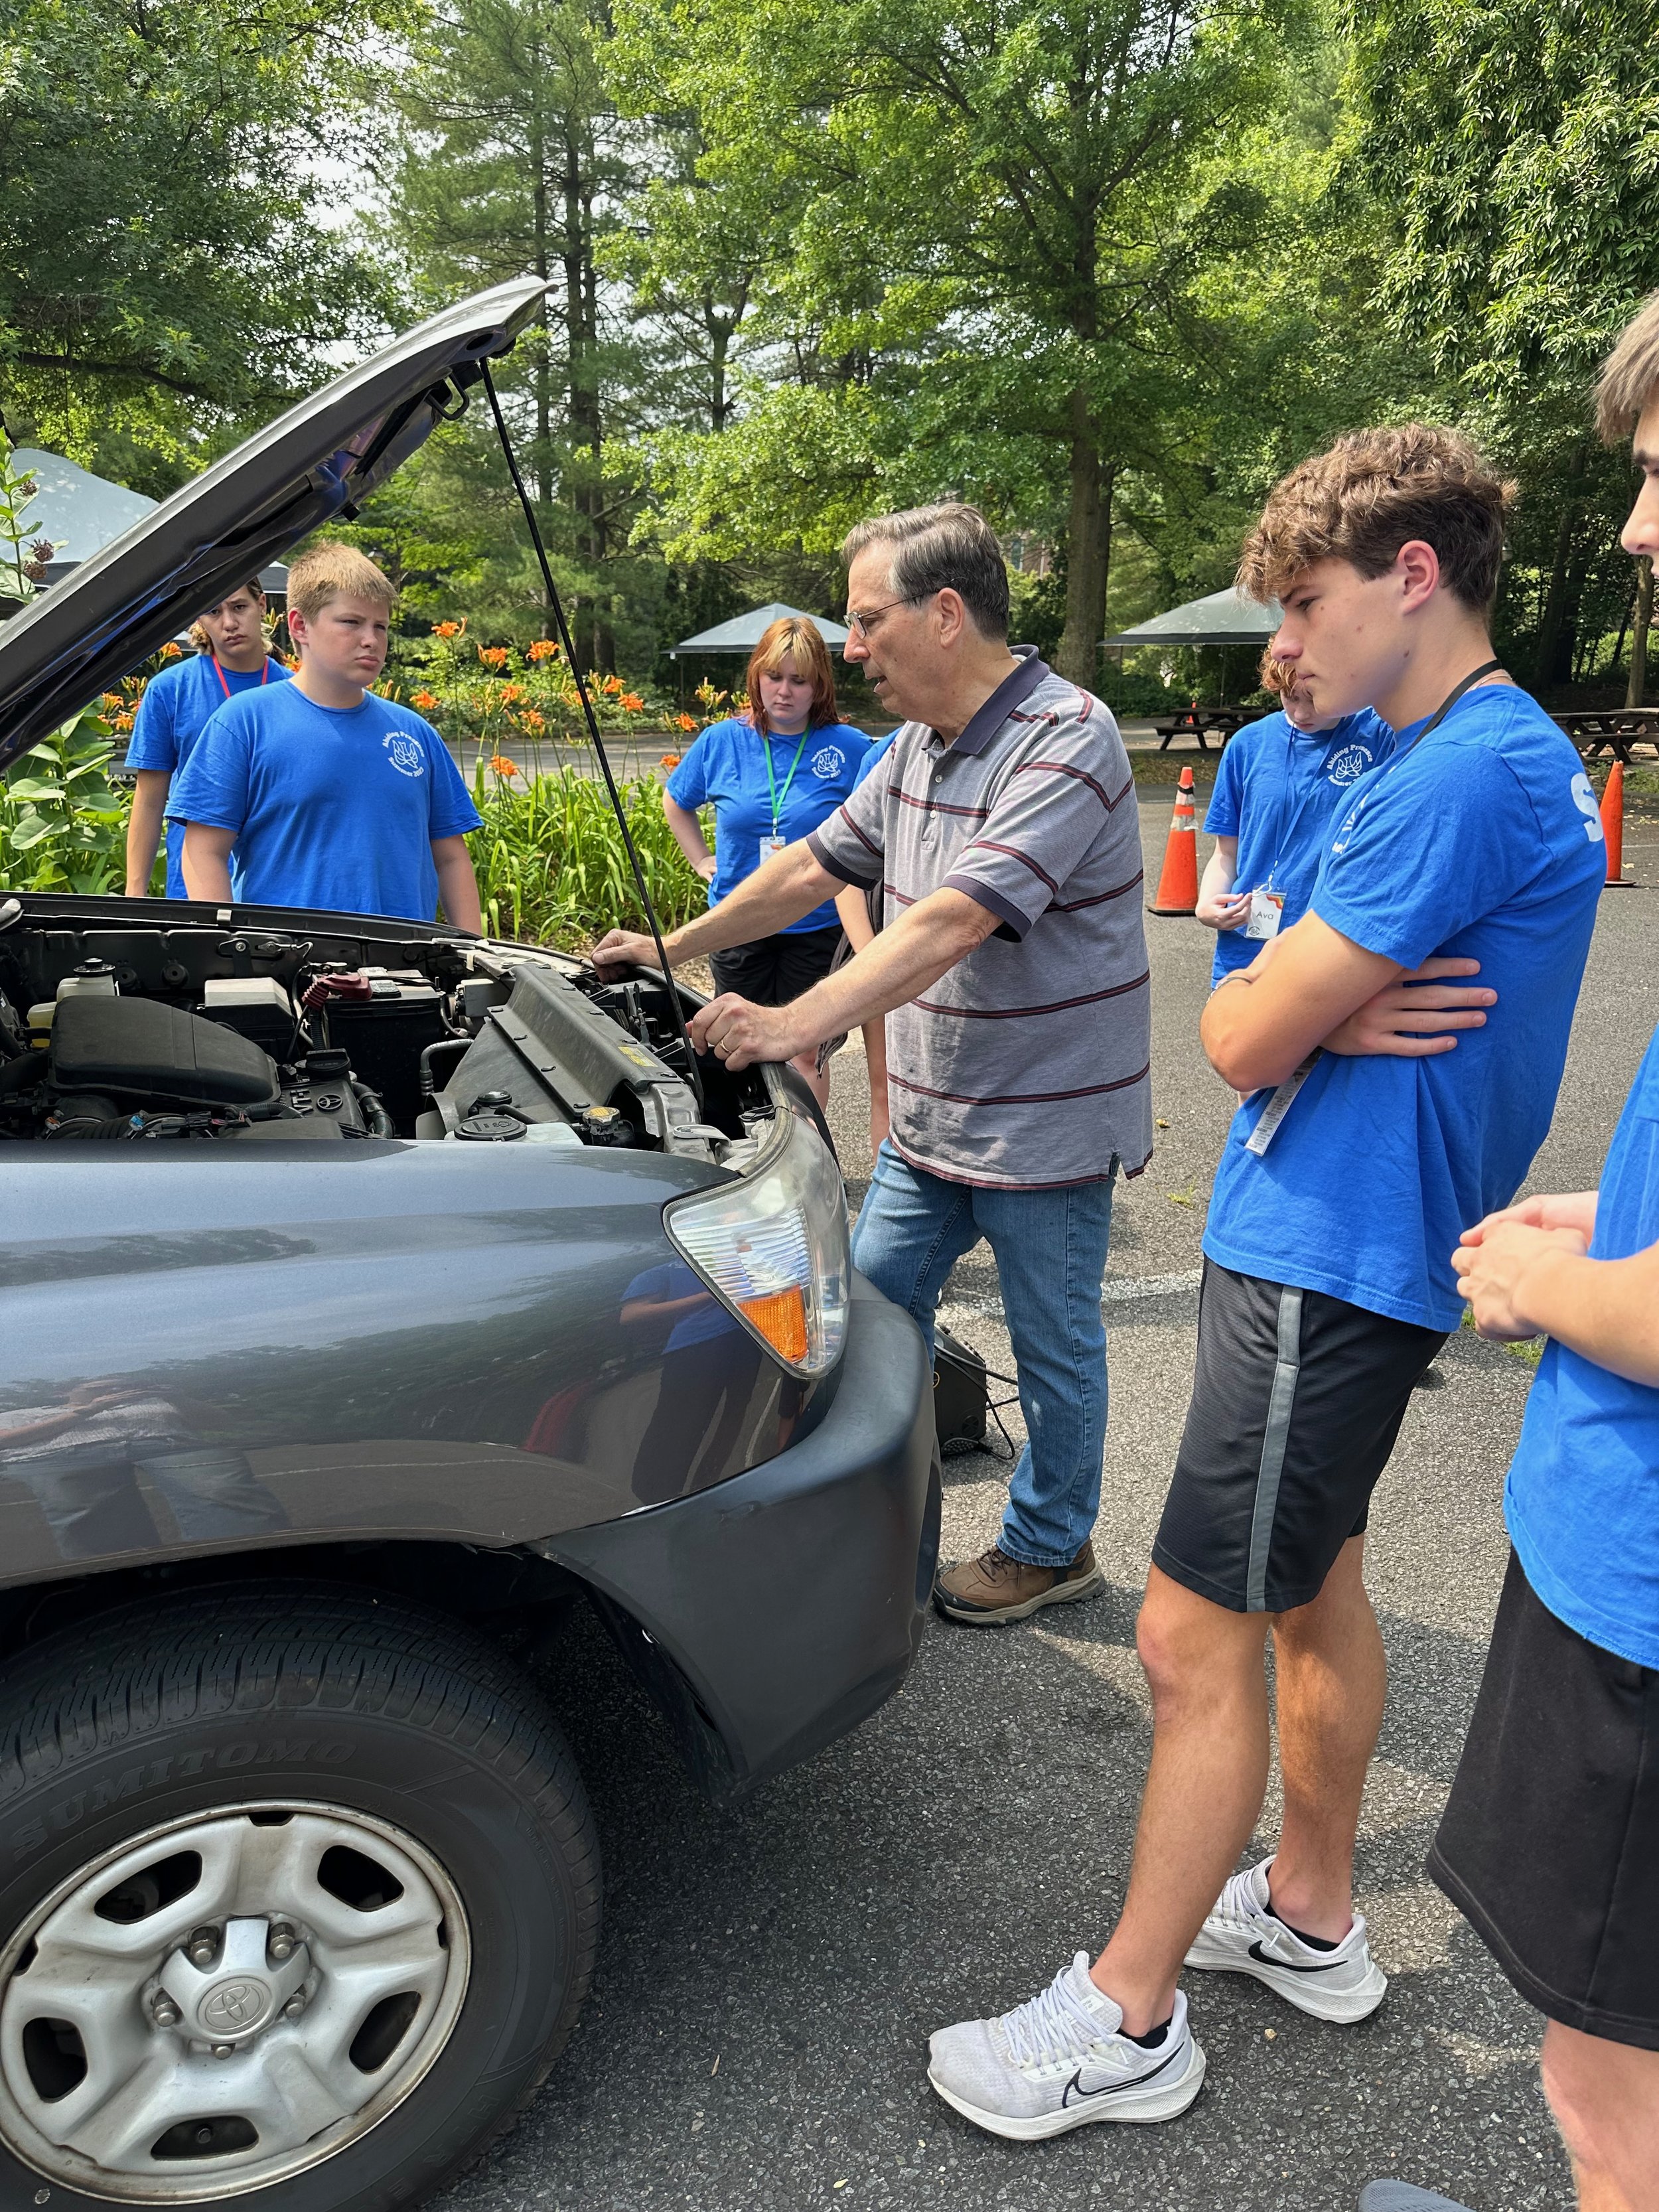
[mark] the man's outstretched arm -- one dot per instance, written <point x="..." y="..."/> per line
<point x="1312" y="986"/>
<point x="785" y="889"/>
<point x="926" y="939"/>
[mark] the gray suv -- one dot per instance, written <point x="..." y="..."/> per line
<point x="369" y="1293"/>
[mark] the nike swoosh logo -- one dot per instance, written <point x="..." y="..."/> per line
<point x="1288" y="1967"/>
<point x="1111" y="2088"/>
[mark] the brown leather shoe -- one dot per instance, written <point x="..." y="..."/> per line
<point x="992" y="1589"/>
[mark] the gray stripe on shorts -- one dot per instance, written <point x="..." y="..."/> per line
<point x="1274" y="1441"/>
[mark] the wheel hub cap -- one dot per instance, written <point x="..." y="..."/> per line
<point x="226" y="2001"/>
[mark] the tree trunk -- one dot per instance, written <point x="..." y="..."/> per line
<point x="1089" y="550"/>
<point x="1556" y="628"/>
<point x="542" y="369"/>
<point x="584" y="396"/>
<point x="1639" y="642"/>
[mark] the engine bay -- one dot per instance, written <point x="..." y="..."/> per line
<point x="191" y="1031"/>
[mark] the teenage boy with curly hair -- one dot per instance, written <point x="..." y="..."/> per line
<point x="1386" y="1105"/>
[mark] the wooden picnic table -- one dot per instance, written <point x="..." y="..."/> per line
<point x="1611" y="729"/>
<point x="1204" y="723"/>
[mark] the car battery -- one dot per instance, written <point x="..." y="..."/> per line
<point x="257" y="1008"/>
<point x="383" y="1031"/>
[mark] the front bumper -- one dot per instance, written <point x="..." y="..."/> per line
<point x="770" y="1614"/>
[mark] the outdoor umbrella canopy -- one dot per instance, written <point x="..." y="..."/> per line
<point x="744" y="632"/>
<point x="1219" y="618"/>
<point x="78" y="513"/>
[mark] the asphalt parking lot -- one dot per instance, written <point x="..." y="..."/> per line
<point x="769" y="1974"/>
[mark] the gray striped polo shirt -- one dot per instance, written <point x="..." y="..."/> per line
<point x="1028" y="1063"/>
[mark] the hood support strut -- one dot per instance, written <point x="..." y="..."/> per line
<point x="564" y="628"/>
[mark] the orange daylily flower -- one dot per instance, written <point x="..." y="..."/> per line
<point x="531" y="720"/>
<point x="449" y="628"/>
<point x="685" y="721"/>
<point x="632" y="702"/>
<point x="493" y="656"/>
<point x="669" y="760"/>
<point x="542" y="649"/>
<point x="511" y="694"/>
<point x="423" y="701"/>
<point x="171" y="650"/>
<point x="500" y="765"/>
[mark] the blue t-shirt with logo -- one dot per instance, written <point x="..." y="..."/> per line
<point x="176" y="707"/>
<point x="726" y="768"/>
<point x="1277" y="790"/>
<point x="332" y="807"/>
<point x="1582" y="1498"/>
<point x="1482" y="842"/>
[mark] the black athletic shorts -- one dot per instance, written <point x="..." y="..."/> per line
<point x="775" y="970"/>
<point x="1297" y="1401"/>
<point x="1550" y="1843"/>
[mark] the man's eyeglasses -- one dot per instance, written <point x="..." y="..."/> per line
<point x="860" y="622"/>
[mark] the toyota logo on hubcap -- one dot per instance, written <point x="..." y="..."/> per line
<point x="234" y="2006"/>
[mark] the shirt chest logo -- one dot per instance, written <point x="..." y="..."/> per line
<point x="828" y="761"/>
<point x="406" y="753"/>
<point x="1349" y="765"/>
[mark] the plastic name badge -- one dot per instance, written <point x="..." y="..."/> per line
<point x="1267" y="911"/>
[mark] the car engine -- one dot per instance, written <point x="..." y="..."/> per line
<point x="189" y="1032"/>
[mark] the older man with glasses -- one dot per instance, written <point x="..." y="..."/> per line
<point x="1005" y="834"/>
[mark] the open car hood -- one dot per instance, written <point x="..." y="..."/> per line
<point x="320" y="459"/>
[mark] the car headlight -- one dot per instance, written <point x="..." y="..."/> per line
<point x="773" y="1245"/>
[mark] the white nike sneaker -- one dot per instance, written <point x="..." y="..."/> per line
<point x="1243" y="1936"/>
<point x="1058" y="2061"/>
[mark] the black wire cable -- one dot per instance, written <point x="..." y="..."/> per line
<point x="564" y="628"/>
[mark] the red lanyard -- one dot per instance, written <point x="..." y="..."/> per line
<point x="265" y="674"/>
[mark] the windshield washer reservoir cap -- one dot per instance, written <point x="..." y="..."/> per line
<point x="490" y="1128"/>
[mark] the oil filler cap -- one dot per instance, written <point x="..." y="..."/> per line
<point x="490" y="1128"/>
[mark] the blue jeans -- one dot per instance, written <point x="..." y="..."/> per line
<point x="1050" y="1250"/>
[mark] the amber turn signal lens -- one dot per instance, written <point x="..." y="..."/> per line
<point x="781" y="1317"/>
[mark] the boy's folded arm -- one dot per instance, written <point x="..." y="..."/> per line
<point x="1313" y="986"/>
<point x="1259" y="1025"/>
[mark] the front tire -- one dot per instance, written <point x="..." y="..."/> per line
<point x="276" y="1865"/>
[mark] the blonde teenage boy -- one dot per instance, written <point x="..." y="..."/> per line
<point x="317" y="792"/>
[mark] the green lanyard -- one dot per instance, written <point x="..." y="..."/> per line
<point x="779" y="797"/>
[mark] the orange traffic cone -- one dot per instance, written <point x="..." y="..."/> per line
<point x="1177" y="887"/>
<point x="1613" y="827"/>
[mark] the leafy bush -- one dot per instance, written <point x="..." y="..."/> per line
<point x="63" y="826"/>
<point x="550" y="863"/>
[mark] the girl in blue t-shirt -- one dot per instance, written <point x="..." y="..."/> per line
<point x="771" y="775"/>
<point x="1279" y="782"/>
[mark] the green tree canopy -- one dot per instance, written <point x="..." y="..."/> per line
<point x="164" y="268"/>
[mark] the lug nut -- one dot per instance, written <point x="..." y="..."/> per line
<point x="166" y="2013"/>
<point x="294" y="2008"/>
<point x="203" y="1947"/>
<point x="283" y="1942"/>
<point x="224" y="2050"/>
